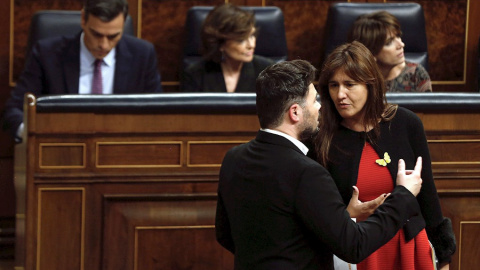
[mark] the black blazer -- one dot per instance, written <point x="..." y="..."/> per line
<point x="278" y="209"/>
<point x="402" y="138"/>
<point x="53" y="68"/>
<point x="207" y="76"/>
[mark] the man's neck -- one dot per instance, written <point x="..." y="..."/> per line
<point x="294" y="140"/>
<point x="289" y="130"/>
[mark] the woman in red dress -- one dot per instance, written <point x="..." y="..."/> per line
<point x="360" y="141"/>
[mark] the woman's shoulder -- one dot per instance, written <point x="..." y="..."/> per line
<point x="202" y="66"/>
<point x="405" y="116"/>
<point x="411" y="67"/>
<point x="262" y="61"/>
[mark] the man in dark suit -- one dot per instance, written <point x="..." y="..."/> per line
<point x="279" y="209"/>
<point x="65" y="65"/>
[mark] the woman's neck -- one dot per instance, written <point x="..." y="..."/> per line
<point x="231" y="73"/>
<point x="391" y="72"/>
<point x="355" y="125"/>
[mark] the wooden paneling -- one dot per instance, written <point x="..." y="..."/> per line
<point x="139" y="154"/>
<point x="145" y="197"/>
<point x="469" y="245"/>
<point x="22" y="14"/>
<point x="207" y="154"/>
<point x="452" y="29"/>
<point x="153" y="235"/>
<point x="162" y="24"/>
<point x="464" y="209"/>
<point x="305" y="28"/>
<point x="446" y="41"/>
<point x="455" y="151"/>
<point x="61" y="228"/>
<point x="61" y="155"/>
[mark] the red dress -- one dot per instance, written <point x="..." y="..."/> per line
<point x="373" y="180"/>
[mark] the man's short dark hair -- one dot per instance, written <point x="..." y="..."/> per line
<point x="279" y="86"/>
<point x="105" y="10"/>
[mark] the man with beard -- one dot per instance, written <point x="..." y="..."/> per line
<point x="279" y="209"/>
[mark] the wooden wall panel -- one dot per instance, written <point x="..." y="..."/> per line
<point x="455" y="151"/>
<point x="22" y="13"/>
<point x="208" y="153"/>
<point x="446" y="32"/>
<point x="452" y="38"/>
<point x="61" y="155"/>
<point x="139" y="154"/>
<point x="305" y="28"/>
<point x="61" y="219"/>
<point x="191" y="256"/>
<point x="149" y="233"/>
<point x="470" y="244"/>
<point x="162" y="24"/>
<point x="464" y="209"/>
<point x="163" y="217"/>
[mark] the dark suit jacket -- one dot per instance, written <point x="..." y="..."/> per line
<point x="53" y="68"/>
<point x="207" y="76"/>
<point x="278" y="209"/>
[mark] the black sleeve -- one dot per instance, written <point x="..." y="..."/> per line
<point x="153" y="78"/>
<point x="439" y="229"/>
<point x="31" y="80"/>
<point x="321" y="208"/>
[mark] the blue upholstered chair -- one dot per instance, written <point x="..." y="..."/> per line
<point x="50" y="23"/>
<point x="271" y="42"/>
<point x="410" y="15"/>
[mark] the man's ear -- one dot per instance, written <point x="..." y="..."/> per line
<point x="295" y="113"/>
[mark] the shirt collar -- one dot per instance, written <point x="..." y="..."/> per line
<point x="108" y="59"/>
<point x="297" y="143"/>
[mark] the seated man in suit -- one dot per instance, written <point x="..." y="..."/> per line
<point x="98" y="60"/>
<point x="279" y="209"/>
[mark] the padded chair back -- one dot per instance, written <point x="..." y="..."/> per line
<point x="271" y="41"/>
<point x="50" y="23"/>
<point x="410" y="15"/>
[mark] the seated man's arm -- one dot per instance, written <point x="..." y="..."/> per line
<point x="153" y="79"/>
<point x="31" y="80"/>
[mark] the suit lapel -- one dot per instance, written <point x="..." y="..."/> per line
<point x="123" y="67"/>
<point x="71" y="65"/>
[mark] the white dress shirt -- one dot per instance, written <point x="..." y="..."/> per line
<point x="87" y="66"/>
<point x="297" y="143"/>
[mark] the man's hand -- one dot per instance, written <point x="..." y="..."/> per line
<point x="362" y="210"/>
<point x="411" y="180"/>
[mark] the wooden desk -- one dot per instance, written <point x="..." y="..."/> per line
<point x="129" y="182"/>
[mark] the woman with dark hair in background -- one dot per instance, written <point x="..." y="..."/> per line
<point x="380" y="32"/>
<point x="229" y="63"/>
<point x="361" y="138"/>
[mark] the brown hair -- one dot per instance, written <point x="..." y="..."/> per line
<point x="359" y="64"/>
<point x="279" y="86"/>
<point x="224" y="22"/>
<point x="105" y="10"/>
<point x="372" y="30"/>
